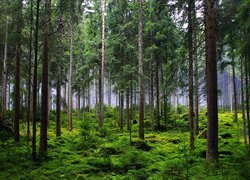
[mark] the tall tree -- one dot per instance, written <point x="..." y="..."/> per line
<point x="72" y="37"/>
<point x="140" y="62"/>
<point x="191" y="74"/>
<point x="30" y="65"/>
<point x="34" y="99"/>
<point x="211" y="75"/>
<point x="101" y="114"/>
<point x="17" y="71"/>
<point x="45" y="80"/>
<point x="4" y="78"/>
<point x="59" y="71"/>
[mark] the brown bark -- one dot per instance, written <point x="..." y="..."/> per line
<point x="30" y="64"/>
<point x="59" y="74"/>
<point x="17" y="74"/>
<point x="34" y="103"/>
<point x="127" y="108"/>
<point x="235" y="93"/>
<point x="190" y="57"/>
<point x="211" y="76"/>
<point x="243" y="103"/>
<point x="45" y="81"/>
<point x="140" y="62"/>
<point x="152" y="98"/>
<point x="72" y="34"/>
<point x="4" y="78"/>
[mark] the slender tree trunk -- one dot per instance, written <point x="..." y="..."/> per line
<point x="83" y="100"/>
<point x="9" y="101"/>
<point x="247" y="100"/>
<point x="101" y="114"/>
<point x="4" y="79"/>
<point x="121" y="106"/>
<point x="96" y="98"/>
<point x="30" y="64"/>
<point x="79" y="104"/>
<point x="109" y="94"/>
<point x="127" y="108"/>
<point x="59" y="73"/>
<point x="243" y="103"/>
<point x="34" y="104"/>
<point x="45" y="83"/>
<point x="196" y="87"/>
<point x="88" y="97"/>
<point x="72" y="34"/>
<point x="140" y="62"/>
<point x="211" y="75"/>
<point x="235" y="93"/>
<point x="157" y="96"/>
<point x="152" y="98"/>
<point x="191" y="74"/>
<point x="17" y="74"/>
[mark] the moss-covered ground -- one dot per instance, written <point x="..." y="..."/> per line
<point x="88" y="152"/>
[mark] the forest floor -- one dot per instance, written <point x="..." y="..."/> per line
<point x="88" y="152"/>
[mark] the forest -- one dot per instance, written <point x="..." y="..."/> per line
<point x="125" y="89"/>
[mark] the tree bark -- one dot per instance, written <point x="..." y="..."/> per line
<point x="59" y="73"/>
<point x="34" y="104"/>
<point x="140" y="62"/>
<point x="45" y="83"/>
<point x="72" y="34"/>
<point x="101" y="114"/>
<point x="211" y="76"/>
<point x="4" y="78"/>
<point x="127" y="108"/>
<point x="17" y="73"/>
<point x="191" y="74"/>
<point x="29" y="76"/>
<point x="235" y="93"/>
<point x="79" y="104"/>
<point x="152" y="98"/>
<point x="243" y="102"/>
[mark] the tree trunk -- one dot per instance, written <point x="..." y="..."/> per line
<point x="140" y="62"/>
<point x="211" y="75"/>
<point x="243" y="102"/>
<point x="196" y="87"/>
<point x="157" y="96"/>
<point x="4" y="79"/>
<point x="152" y="97"/>
<point x="247" y="100"/>
<point x="59" y="73"/>
<point x="29" y="77"/>
<point x="235" y="93"/>
<point x="34" y="104"/>
<point x="109" y="94"/>
<point x="101" y="114"/>
<point x="72" y="34"/>
<point x="17" y="73"/>
<point x="121" y="106"/>
<point x="79" y="104"/>
<point x="191" y="74"/>
<point x="45" y="82"/>
<point x="127" y="108"/>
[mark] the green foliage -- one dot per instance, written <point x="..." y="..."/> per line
<point x="88" y="152"/>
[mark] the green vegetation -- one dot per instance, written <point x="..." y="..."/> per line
<point x="88" y="152"/>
